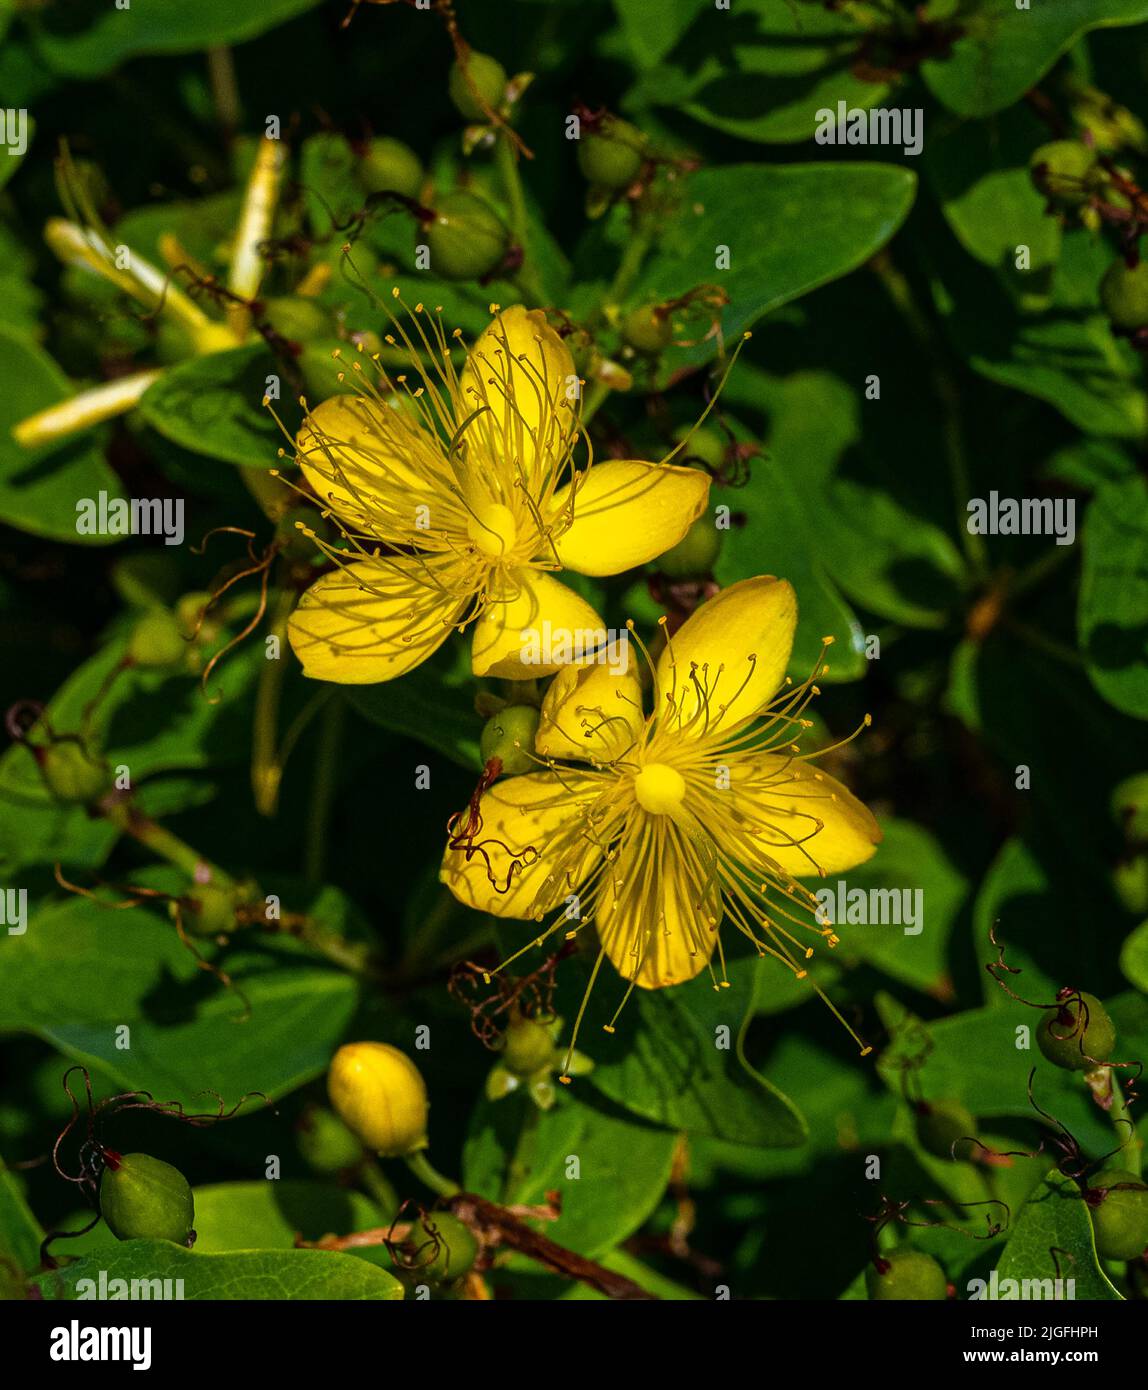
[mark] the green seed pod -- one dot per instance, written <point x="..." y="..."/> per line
<point x="467" y="238"/>
<point x="1130" y="807"/>
<point x="325" y="1142"/>
<point x="456" y="1252"/>
<point x="379" y="1094"/>
<point x="702" y="446"/>
<point x="389" y="166"/>
<point x="484" y="73"/>
<point x="157" y="641"/>
<point x="1078" y="1034"/>
<point x="1124" y="295"/>
<point x="611" y="156"/>
<point x="647" y="329"/>
<point x="298" y="320"/>
<point x="527" y="1047"/>
<point x="143" y="1198"/>
<point x="906" y="1274"/>
<point x="71" y="774"/>
<point x="208" y="910"/>
<point x="1120" y="1220"/>
<point x="1130" y="883"/>
<point x="1064" y="170"/>
<point x="945" y="1129"/>
<point x="509" y="735"/>
<point x="695" y="554"/>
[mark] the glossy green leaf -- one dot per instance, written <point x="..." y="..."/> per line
<point x="1113" y="613"/>
<point x="1051" y="1238"/>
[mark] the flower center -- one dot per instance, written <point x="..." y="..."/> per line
<point x="492" y="528"/>
<point x="659" y="789"/>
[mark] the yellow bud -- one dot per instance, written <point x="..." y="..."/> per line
<point x="379" y="1094"/>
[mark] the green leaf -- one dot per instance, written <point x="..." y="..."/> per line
<point x="1051" y="1238"/>
<point x="622" y="1167"/>
<point x="1007" y="50"/>
<point x="251" y="1274"/>
<point x="434" y="703"/>
<point x="766" y="215"/>
<point x="82" y="972"/>
<point x="653" y="32"/>
<point x="20" y="1232"/>
<point x="212" y="406"/>
<point x="153" y="26"/>
<point x="909" y="860"/>
<point x="676" y="1059"/>
<point x="1113" y="611"/>
<point x="270" y="1215"/>
<point x="39" y="487"/>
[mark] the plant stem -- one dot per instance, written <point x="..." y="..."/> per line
<point x="421" y="1167"/>
<point x="378" y="1187"/>
<point x="506" y="161"/>
<point x="162" y="842"/>
<point x="1125" y="1127"/>
<point x="266" y="767"/>
<point x="323" y="788"/>
<point x="224" y="89"/>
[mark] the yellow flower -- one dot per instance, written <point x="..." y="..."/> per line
<point x="380" y="1095"/>
<point x="702" y="813"/>
<point x="458" y="497"/>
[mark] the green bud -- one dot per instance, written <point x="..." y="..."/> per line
<point x="296" y="319"/>
<point x="906" y="1274"/>
<point x="71" y="774"/>
<point x="389" y="166"/>
<point x="1078" y="1033"/>
<point x="509" y="735"/>
<point x="157" y="641"/>
<point x="1064" y="170"/>
<point x="1124" y="295"/>
<point x="1120" y="1219"/>
<point x="208" y="909"/>
<point x="325" y="1142"/>
<point x="611" y="155"/>
<point x="527" y="1047"/>
<point x="320" y="368"/>
<point x="143" y="1198"/>
<point x="467" y="238"/>
<point x="647" y="329"/>
<point x="456" y="1250"/>
<point x="487" y="75"/>
<point x="1130" y="807"/>
<point x="1130" y="883"/>
<point x="695" y="554"/>
<point x="944" y="1129"/>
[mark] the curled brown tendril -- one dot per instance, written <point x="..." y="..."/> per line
<point x="530" y="996"/>
<point x="462" y="834"/>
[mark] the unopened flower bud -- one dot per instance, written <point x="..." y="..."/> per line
<point x="1120" y="1217"/>
<point x="906" y="1274"/>
<point x="467" y="238"/>
<point x="379" y="1094"/>
<point x="647" y="329"/>
<point x="610" y="156"/>
<point x="477" y="72"/>
<point x="509" y="735"/>
<point x="389" y="166"/>
<point x="1078" y="1033"/>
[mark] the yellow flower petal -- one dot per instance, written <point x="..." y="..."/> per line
<point x="657" y="917"/>
<point x="729" y="657"/>
<point x="372" y="621"/>
<point x="591" y="712"/>
<point x="531" y="851"/>
<point x="352" y="455"/>
<point x="522" y="370"/>
<point x="797" y="816"/>
<point x="532" y="619"/>
<point x="627" y="512"/>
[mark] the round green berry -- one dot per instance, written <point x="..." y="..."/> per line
<point x="1130" y="882"/>
<point x="1063" y="169"/>
<point x="1130" y="807"/>
<point x="647" y="329"/>
<point x="945" y="1129"/>
<point x="1120" y="1219"/>
<point x="527" y="1047"/>
<point x="695" y="554"/>
<point x="157" y="641"/>
<point x="451" y="1248"/>
<point x="389" y="166"/>
<point x="611" y="155"/>
<point x="1078" y="1033"/>
<point x="1124" y="295"/>
<point x="143" y="1198"/>
<point x="296" y="319"/>
<point x="325" y="1142"/>
<point x="702" y="446"/>
<point x="71" y="774"/>
<point x="467" y="238"/>
<point x="509" y="735"/>
<point x="481" y="72"/>
<point x="906" y="1274"/>
<point x="208" y="910"/>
